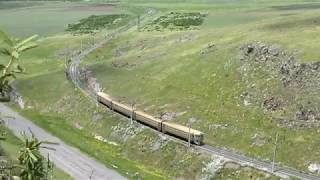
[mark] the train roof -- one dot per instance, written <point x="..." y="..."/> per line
<point x="182" y="128"/>
<point x="104" y="95"/>
<point x="122" y="105"/>
<point x="148" y="116"/>
<point x="107" y="97"/>
<point x="171" y="124"/>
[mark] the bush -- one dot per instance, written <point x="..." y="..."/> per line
<point x="95" y="23"/>
<point x="176" y="21"/>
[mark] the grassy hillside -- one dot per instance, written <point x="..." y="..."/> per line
<point x="188" y="76"/>
<point x="78" y="123"/>
<point x="167" y="72"/>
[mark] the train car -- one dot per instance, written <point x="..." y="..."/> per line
<point x="114" y="105"/>
<point x="183" y="132"/>
<point x="148" y="120"/>
<point x="177" y="130"/>
<point x="104" y="99"/>
<point x="122" y="108"/>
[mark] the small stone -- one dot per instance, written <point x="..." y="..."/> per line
<point x="314" y="168"/>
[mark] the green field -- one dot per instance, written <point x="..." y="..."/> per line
<point x="170" y="71"/>
<point x="192" y="75"/>
<point x="46" y="18"/>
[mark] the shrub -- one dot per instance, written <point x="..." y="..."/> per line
<point x="95" y="23"/>
<point x="176" y="21"/>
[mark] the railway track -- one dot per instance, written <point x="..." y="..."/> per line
<point x="74" y="73"/>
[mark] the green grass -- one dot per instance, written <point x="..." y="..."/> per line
<point x="208" y="87"/>
<point x="45" y="69"/>
<point x="59" y="118"/>
<point x="96" y="23"/>
<point x="15" y="4"/>
<point x="166" y="68"/>
<point x="11" y="146"/>
<point x="243" y="173"/>
<point x="48" y="18"/>
<point x="175" y="21"/>
<point x="108" y="154"/>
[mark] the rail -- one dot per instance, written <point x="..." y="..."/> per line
<point x="74" y="74"/>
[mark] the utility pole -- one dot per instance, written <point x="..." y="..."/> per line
<point x="189" y="138"/>
<point x="274" y="152"/>
<point x="81" y="46"/>
<point x="93" y="38"/>
<point x="91" y="175"/>
<point x="132" y="110"/>
<point x="111" y="104"/>
<point x="138" y="22"/>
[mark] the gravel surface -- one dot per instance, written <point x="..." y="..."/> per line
<point x="71" y="160"/>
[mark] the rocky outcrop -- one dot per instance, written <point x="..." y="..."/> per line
<point x="279" y="82"/>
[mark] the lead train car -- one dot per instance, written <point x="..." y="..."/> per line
<point x="147" y="119"/>
<point x="183" y="132"/>
<point x="113" y="105"/>
<point x="177" y="130"/>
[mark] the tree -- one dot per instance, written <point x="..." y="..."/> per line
<point x="11" y="49"/>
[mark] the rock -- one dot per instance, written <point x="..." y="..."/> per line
<point x="17" y="98"/>
<point x="279" y="82"/>
<point x="211" y="47"/>
<point x="214" y="165"/>
<point x="272" y="104"/>
<point x="124" y="132"/>
<point x="193" y="120"/>
<point x="218" y="126"/>
<point x="78" y="126"/>
<point x="258" y="140"/>
<point x="306" y="114"/>
<point x="232" y="165"/>
<point x="314" y="168"/>
<point x="247" y="168"/>
<point x="163" y="137"/>
<point x="160" y="142"/>
<point x="120" y="64"/>
<point x="249" y="49"/>
<point x="246" y="102"/>
<point x="180" y="113"/>
<point x="156" y="146"/>
<point x="164" y="106"/>
<point x="168" y="116"/>
<point x="315" y="65"/>
<point x="96" y="117"/>
<point x="102" y="139"/>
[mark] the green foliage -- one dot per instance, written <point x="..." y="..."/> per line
<point x="95" y="23"/>
<point x="34" y="165"/>
<point x="31" y="164"/>
<point x="242" y="173"/>
<point x="12" y="49"/>
<point x="83" y="140"/>
<point x="9" y="163"/>
<point x="176" y="21"/>
<point x="209" y="84"/>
